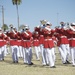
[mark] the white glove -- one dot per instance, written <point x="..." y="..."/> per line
<point x="26" y="33"/>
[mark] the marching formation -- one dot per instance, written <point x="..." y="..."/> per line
<point x="43" y="39"/>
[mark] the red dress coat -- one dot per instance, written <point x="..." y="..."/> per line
<point x="41" y="36"/>
<point x="35" y="39"/>
<point x="37" y="29"/>
<point x="62" y="38"/>
<point x="2" y="43"/>
<point x="26" y="36"/>
<point x="6" y="39"/>
<point x="71" y="37"/>
<point x="19" y="39"/>
<point x="13" y="38"/>
<point x="48" y="42"/>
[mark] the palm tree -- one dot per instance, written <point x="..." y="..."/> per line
<point x="5" y="27"/>
<point x="17" y="2"/>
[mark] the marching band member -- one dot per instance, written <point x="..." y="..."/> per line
<point x="41" y="40"/>
<point x="24" y="46"/>
<point x="63" y="43"/>
<point x="36" y="44"/>
<point x="2" y="44"/>
<point x="13" y="43"/>
<point x="6" y="40"/>
<point x="49" y="45"/>
<point x="26" y="36"/>
<point x="71" y="33"/>
<point x="19" y="40"/>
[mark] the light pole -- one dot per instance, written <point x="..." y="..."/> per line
<point x="2" y="14"/>
<point x="57" y="18"/>
<point x="17" y="16"/>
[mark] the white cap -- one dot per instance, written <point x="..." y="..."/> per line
<point x="38" y="26"/>
<point x="73" y="24"/>
<point x="48" y="23"/>
<point x="14" y="27"/>
<point x="10" y="25"/>
<point x="27" y="27"/>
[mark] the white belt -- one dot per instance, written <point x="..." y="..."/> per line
<point x="4" y="40"/>
<point x="19" y="40"/>
<point x="63" y="37"/>
<point x="69" y="39"/>
<point x="72" y="38"/>
<point x="36" y="40"/>
<point x="26" y="40"/>
<point x="41" y="35"/>
<point x="47" y="39"/>
<point x="1" y="40"/>
<point x="13" y="39"/>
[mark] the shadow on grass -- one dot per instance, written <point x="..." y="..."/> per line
<point x="58" y="63"/>
<point x="37" y="66"/>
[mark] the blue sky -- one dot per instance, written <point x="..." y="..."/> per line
<point x="32" y="11"/>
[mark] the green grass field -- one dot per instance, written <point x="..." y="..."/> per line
<point x="9" y="68"/>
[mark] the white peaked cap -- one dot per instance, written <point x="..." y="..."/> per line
<point x="27" y="27"/>
<point x="38" y="26"/>
<point x="73" y="23"/>
<point x="48" y="23"/>
<point x="10" y="25"/>
<point x="14" y="27"/>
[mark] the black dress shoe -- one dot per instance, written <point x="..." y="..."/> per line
<point x="68" y="62"/>
<point x="53" y="66"/>
<point x="16" y="61"/>
<point x="47" y="64"/>
<point x="3" y="59"/>
<point x="65" y="63"/>
<point x="25" y="63"/>
<point x="13" y="61"/>
<point x="30" y="63"/>
<point x="73" y="65"/>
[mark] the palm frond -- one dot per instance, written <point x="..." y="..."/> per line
<point x="16" y="2"/>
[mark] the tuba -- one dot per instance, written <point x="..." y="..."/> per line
<point x="43" y="22"/>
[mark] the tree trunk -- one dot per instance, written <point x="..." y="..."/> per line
<point x="17" y="15"/>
